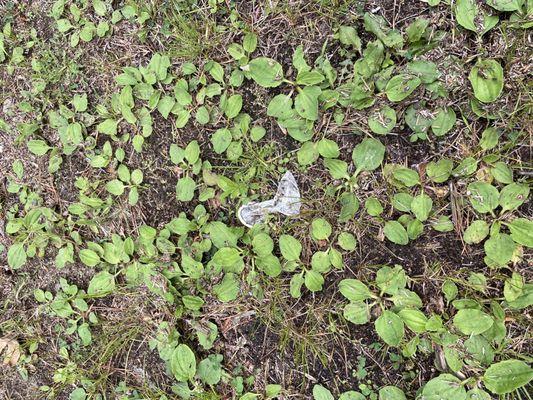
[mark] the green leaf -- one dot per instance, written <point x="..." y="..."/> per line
<point x="338" y="169"/>
<point x="401" y="86"/>
<point x="502" y="172"/>
<point x="78" y="394"/>
<point x="476" y="232"/>
<point x="368" y="155"/>
<point x="137" y="177"/>
<point x="444" y="121"/>
<point x="450" y="290"/>
<point x="182" y="95"/>
<point x="507" y="376"/>
<point x="320" y="262"/>
<point x="405" y="298"/>
<point x="354" y="290"/>
<point x="513" y="287"/>
<point x="249" y="42"/>
<point x="115" y="187"/>
<point x="347" y="241"/>
<point x="395" y="232"/>
<point x="466" y="167"/>
<point x="416" y="29"/>
<point x="101" y="284"/>
<point x="221" y="139"/>
<point x="210" y="369"/>
<point x="313" y="280"/>
<point x="216" y="71"/>
<point x="478" y="394"/>
<point x="350" y="205"/>
<point x="402" y="202"/>
<point x="321" y="393"/>
<point x="280" y="107"/>
<point x="391" y="393"/>
<point x="100" y="7"/>
<point x="108" y="127"/>
<point x="390" y="328"/>
<point x="306" y="102"/>
<point x="465" y="13"/>
<point x="159" y="65"/>
<point x="414" y="319"/>
<point x="182" y="117"/>
<point x="266" y="72"/>
<point x="227" y="257"/>
<point x="351" y="395"/>
<point x="202" y="115"/>
<point x="349" y="37"/>
<point x="16" y="255"/>
<point x="443" y="224"/>
<point x="228" y="289"/>
<point x="379" y="27"/>
<point x="272" y="390"/>
<point x="391" y="280"/>
<point x="89" y="257"/>
<point x="328" y="148"/>
<point x="269" y="264"/>
<point x="185" y="189"/>
<point x="165" y="105"/>
<point x="87" y="32"/>
<point x="506" y="5"/>
<point x="522" y="231"/>
<point x="513" y="196"/>
<point x="296" y="284"/>
<point x="524" y="301"/>
<point x="480" y="349"/>
<point x="38" y="147"/>
<point x="257" y="133"/>
<point x="373" y="207"/>
<point x="472" y="321"/>
<point x="421" y="206"/>
<point x="80" y="102"/>
<point x="357" y="313"/>
<point x="418" y="118"/>
<point x="233" y="106"/>
<point x="407" y="176"/>
<point x="308" y="78"/>
<point x="486" y="78"/>
<point x="191" y="267"/>
<point x="183" y="363"/>
<point x="445" y="386"/>
<point x="489" y="138"/>
<point x="382" y="121"/>
<point x="500" y="248"/>
<point x="298" y="60"/>
<point x="64" y="256"/>
<point x="320" y="229"/>
<point x="414" y="229"/>
<point x="290" y="247"/>
<point x="426" y="70"/>
<point x="85" y="334"/>
<point x="63" y="25"/>
<point x="470" y="17"/>
<point x="176" y="153"/>
<point x="483" y="196"/>
<point x="2" y="56"/>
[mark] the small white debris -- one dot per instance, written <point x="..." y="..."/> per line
<point x="286" y="201"/>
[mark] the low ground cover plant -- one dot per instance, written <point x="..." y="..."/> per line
<point x="131" y="133"/>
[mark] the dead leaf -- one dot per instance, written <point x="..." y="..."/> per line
<point x="12" y="351"/>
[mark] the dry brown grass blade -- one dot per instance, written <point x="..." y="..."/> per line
<point x="12" y="352"/>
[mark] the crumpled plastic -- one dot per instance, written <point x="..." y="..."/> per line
<point x="287" y="201"/>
